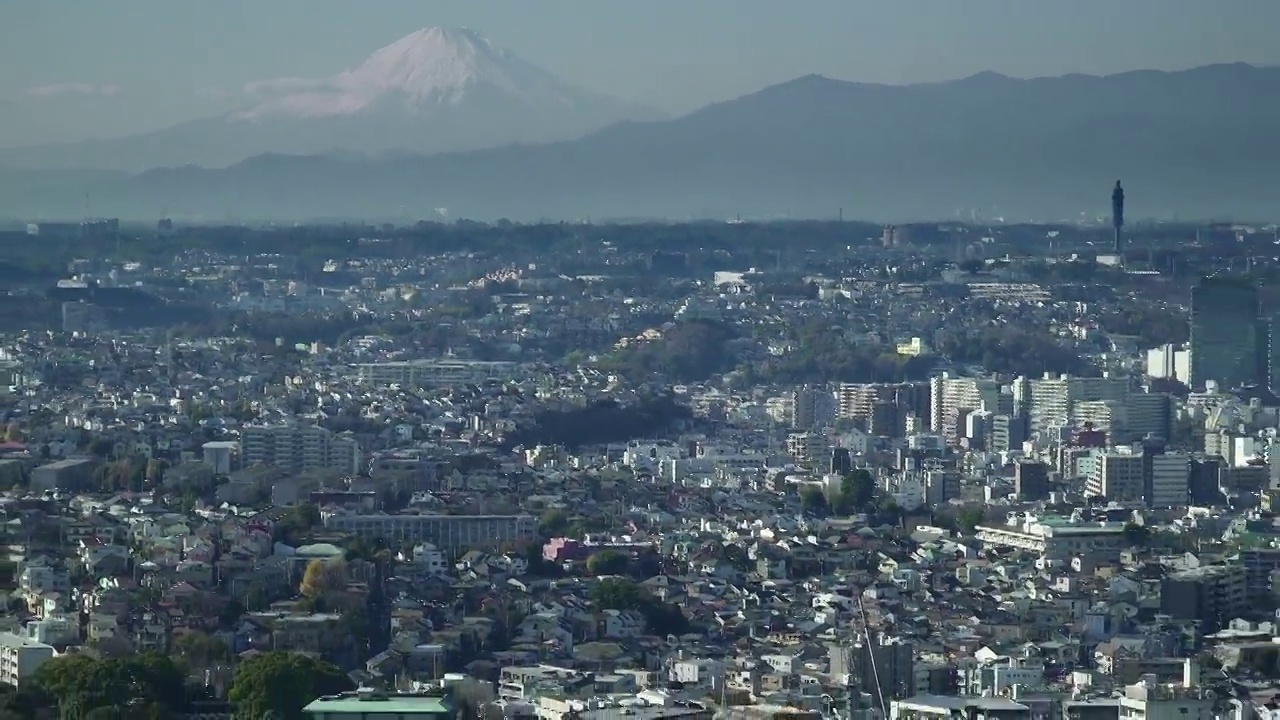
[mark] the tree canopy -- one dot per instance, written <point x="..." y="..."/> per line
<point x="282" y="683"/>
<point x="87" y="683"/>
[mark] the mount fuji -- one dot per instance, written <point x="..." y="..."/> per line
<point x="435" y="90"/>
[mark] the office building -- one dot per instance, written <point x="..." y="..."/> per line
<point x="1205" y="478"/>
<point x="1117" y="476"/>
<point x="299" y="447"/>
<point x="1168" y="483"/>
<point x="1212" y="594"/>
<point x="1224" y="332"/>
<point x="1031" y="480"/>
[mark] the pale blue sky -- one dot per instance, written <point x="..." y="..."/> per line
<point x="155" y="62"/>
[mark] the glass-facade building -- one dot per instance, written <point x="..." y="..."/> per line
<point x="1226" y="337"/>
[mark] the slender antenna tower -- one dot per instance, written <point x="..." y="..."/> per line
<point x="1117" y="215"/>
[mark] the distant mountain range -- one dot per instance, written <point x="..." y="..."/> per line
<point x="1192" y="144"/>
<point x="436" y="90"/>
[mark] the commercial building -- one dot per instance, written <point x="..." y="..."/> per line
<point x="299" y="447"/>
<point x="1212" y="594"/>
<point x="73" y="474"/>
<point x="20" y="657"/>
<point x="453" y="534"/>
<point x="1056" y="538"/>
<point x="378" y="706"/>
<point x="1031" y="480"/>
<point x="1169" y="482"/>
<point x="436" y="373"/>
<point x="1225" y="338"/>
<point x="1117" y="475"/>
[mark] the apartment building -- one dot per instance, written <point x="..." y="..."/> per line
<point x="950" y="397"/>
<point x="299" y="447"/>
<point x="20" y="657"/>
<point x="436" y="373"/>
<point x="453" y="534"/>
<point x="1050" y="400"/>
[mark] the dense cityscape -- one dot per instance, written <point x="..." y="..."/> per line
<point x="655" y="470"/>
<point x="662" y="360"/>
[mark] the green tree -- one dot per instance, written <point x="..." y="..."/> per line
<point x="553" y="523"/>
<point x="813" y="501"/>
<point x="282" y="683"/>
<point x="607" y="562"/>
<point x="89" y="683"/>
<point x="970" y="518"/>
<point x="622" y="594"/>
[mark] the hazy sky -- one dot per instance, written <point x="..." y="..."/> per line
<point x="73" y="68"/>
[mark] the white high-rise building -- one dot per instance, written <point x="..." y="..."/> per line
<point x="1050" y="400"/>
<point x="1117" y="475"/>
<point x="951" y="396"/>
<point x="299" y="447"/>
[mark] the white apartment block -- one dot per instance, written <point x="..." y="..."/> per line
<point x="21" y="657"/>
<point x="299" y="447"/>
<point x="452" y="534"/>
<point x="950" y="396"/>
<point x="436" y="373"/>
<point x="1050" y="400"/>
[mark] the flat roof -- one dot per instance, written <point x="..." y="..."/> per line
<point x="393" y="704"/>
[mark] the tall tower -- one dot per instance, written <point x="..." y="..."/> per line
<point x="1117" y="214"/>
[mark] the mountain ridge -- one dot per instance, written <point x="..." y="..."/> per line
<point x="1028" y="148"/>
<point x="434" y="90"/>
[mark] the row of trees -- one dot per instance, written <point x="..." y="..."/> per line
<point x="277" y="684"/>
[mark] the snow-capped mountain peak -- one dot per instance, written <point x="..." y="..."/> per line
<point x="423" y="70"/>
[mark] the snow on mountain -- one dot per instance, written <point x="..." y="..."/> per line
<point x="425" y="70"/>
<point x="435" y="90"/>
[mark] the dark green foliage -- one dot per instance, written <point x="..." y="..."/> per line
<point x="620" y="594"/>
<point x="814" y="502"/>
<point x="857" y="493"/>
<point x="823" y="354"/>
<point x="607" y="562"/>
<point x="282" y="683"/>
<point x="970" y="518"/>
<point x="87" y="683"/>
<point x="692" y="351"/>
